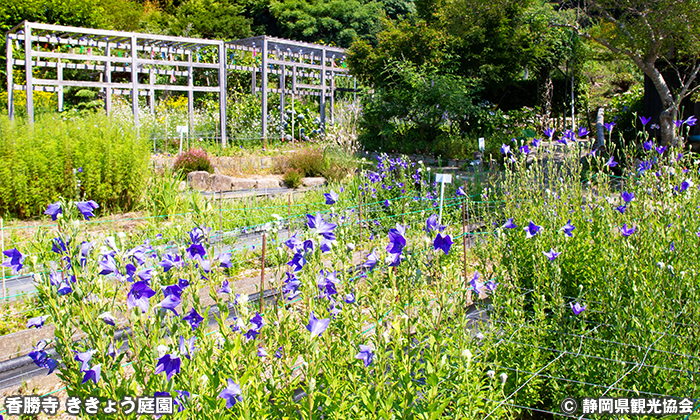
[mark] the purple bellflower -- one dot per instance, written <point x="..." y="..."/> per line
<point x="532" y="229"/>
<point x="231" y="394"/>
<point x="365" y="354"/>
<point x="371" y="260"/>
<point x="577" y="308"/>
<point x="443" y="242"/>
<point x="397" y="241"/>
<point x="583" y="131"/>
<point x="611" y="162"/>
<point x="14" y="260"/>
<point x="644" y="120"/>
<point x="87" y="208"/>
<point x="186" y="347"/>
<point x="317" y="326"/>
<point x="84" y="359"/>
<point x="331" y="197"/>
<point x="549" y="132"/>
<point x="54" y="210"/>
<point x="609" y="126"/>
<point x="139" y="295"/>
<point x="552" y="254"/>
<point x="627" y="196"/>
<point x="171" y="302"/>
<point x="225" y="288"/>
<point x="509" y="224"/>
<point x="171" y="260"/>
<point x="431" y="224"/>
<point x="322" y="227"/>
<point x="568" y="229"/>
<point x="92" y="374"/>
<point x="627" y="231"/>
<point x="169" y="364"/>
<point x="108" y="318"/>
<point x="648" y="145"/>
<point x="193" y="318"/>
<point x="36" y="322"/>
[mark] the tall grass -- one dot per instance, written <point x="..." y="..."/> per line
<point x="87" y="158"/>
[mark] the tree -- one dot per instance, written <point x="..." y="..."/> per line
<point x="217" y="19"/>
<point x="650" y="32"/>
<point x="337" y="22"/>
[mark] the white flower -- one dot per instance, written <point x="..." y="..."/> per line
<point x="479" y="336"/>
<point x="162" y="350"/>
<point x="490" y="374"/>
<point x="466" y="353"/>
<point x="351" y="246"/>
<point x="503" y="377"/>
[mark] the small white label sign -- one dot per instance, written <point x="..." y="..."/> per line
<point x="182" y="129"/>
<point x="444" y="178"/>
<point x="482" y="143"/>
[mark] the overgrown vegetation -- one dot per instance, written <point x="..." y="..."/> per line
<point x="192" y="160"/>
<point x="90" y="158"/>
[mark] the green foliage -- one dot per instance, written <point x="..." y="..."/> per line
<point x="292" y="178"/>
<point x="336" y="22"/>
<point x="220" y="19"/>
<point x="308" y="161"/>
<point x="39" y="163"/>
<point x="192" y="160"/>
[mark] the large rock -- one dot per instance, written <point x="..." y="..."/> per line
<point x="313" y="182"/>
<point x="198" y="180"/>
<point x="242" y="183"/>
<point x="267" y="183"/>
<point x="220" y="182"/>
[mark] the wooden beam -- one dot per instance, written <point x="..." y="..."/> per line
<point x="134" y="82"/>
<point x="264" y="91"/>
<point x="28" y="72"/>
<point x="222" y="92"/>
<point x="10" y="81"/>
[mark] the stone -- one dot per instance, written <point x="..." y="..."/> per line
<point x="313" y="181"/>
<point x="220" y="182"/>
<point x="242" y="183"/>
<point x="198" y="180"/>
<point x="267" y="183"/>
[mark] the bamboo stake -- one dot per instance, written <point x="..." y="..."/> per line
<point x="262" y="273"/>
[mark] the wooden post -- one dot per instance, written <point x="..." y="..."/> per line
<point x="190" y="98"/>
<point x="152" y="92"/>
<point x="323" y="91"/>
<point x="262" y="273"/>
<point x="59" y="89"/>
<point x="28" y="71"/>
<point x="289" y="211"/>
<point x="10" y="79"/>
<point x="283" y="85"/>
<point x="222" y="92"/>
<point x="108" y="79"/>
<point x="134" y="82"/>
<point x="264" y="92"/>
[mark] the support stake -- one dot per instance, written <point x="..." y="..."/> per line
<point x="262" y="273"/>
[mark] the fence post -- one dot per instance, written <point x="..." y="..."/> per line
<point x="262" y="273"/>
<point x="2" y="238"/>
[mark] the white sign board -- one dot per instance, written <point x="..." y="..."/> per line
<point x="182" y="129"/>
<point x="444" y="178"/>
<point x="482" y="143"/>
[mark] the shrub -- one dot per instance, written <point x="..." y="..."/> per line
<point x="292" y="178"/>
<point x="89" y="158"/>
<point x="192" y="160"/>
<point x="308" y="162"/>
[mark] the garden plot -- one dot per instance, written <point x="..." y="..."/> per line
<point x="558" y="297"/>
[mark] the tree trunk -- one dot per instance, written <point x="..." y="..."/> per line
<point x="670" y="113"/>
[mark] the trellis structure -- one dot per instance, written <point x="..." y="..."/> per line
<point x="301" y="68"/>
<point x="129" y="63"/>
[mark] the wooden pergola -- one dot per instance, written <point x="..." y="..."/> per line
<point x="128" y="63"/>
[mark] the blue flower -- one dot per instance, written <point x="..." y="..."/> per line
<point x="371" y="260"/>
<point x="552" y="254"/>
<point x="168" y="364"/>
<point x="568" y="228"/>
<point x="87" y="208"/>
<point x="139" y="295"/>
<point x="443" y="242"/>
<point x="92" y="374"/>
<point x="532" y="229"/>
<point x="231" y="394"/>
<point x="331" y="197"/>
<point x="627" y="196"/>
<point x="509" y="224"/>
<point x="317" y="326"/>
<point x="36" y="322"/>
<point x="627" y="231"/>
<point x="193" y="318"/>
<point x="14" y="261"/>
<point x="365" y="354"/>
<point x="54" y="210"/>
